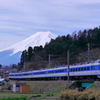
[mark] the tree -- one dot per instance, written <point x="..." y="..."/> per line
<point x="24" y="56"/>
<point x="30" y="52"/>
<point x="14" y="66"/>
<point x="0" y="66"/>
<point x="38" y="48"/>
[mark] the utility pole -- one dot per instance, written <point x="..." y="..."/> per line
<point x="25" y="59"/>
<point x="25" y="66"/>
<point x="49" y="60"/>
<point x="88" y="52"/>
<point x="68" y="66"/>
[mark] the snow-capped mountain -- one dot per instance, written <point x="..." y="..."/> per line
<point x="12" y="54"/>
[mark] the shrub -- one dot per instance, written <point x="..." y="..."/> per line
<point x="83" y="96"/>
<point x="75" y="95"/>
<point x="50" y="94"/>
<point x="37" y="95"/>
<point x="69" y="95"/>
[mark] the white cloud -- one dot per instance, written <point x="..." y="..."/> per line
<point x="22" y="18"/>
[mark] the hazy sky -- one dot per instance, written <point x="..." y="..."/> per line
<point x="20" y="19"/>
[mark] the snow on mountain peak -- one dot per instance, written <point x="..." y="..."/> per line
<point x="37" y="39"/>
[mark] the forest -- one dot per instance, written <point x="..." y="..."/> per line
<point x="77" y="42"/>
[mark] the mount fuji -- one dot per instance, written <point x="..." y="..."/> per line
<point x="12" y="54"/>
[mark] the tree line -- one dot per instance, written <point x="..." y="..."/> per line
<point x="76" y="43"/>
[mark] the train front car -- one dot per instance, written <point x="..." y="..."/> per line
<point x="97" y="68"/>
<point x="85" y="71"/>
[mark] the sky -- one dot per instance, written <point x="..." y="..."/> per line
<point x="20" y="19"/>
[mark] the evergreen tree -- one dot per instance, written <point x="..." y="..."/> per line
<point x="0" y="66"/>
<point x="30" y="51"/>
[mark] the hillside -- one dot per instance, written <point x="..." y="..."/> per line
<point x="38" y="62"/>
<point x="54" y="53"/>
<point x="94" y="55"/>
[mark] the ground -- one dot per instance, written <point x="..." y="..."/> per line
<point x="45" y="90"/>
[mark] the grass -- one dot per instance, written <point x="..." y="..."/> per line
<point x="15" y="95"/>
<point x="51" y="89"/>
<point x="41" y="87"/>
<point x="28" y="96"/>
<point x="18" y="98"/>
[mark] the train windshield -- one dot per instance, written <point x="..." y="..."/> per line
<point x="97" y="61"/>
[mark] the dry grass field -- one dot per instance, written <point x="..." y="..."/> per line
<point x="54" y="90"/>
<point x="39" y="90"/>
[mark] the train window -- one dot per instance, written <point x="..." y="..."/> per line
<point x="53" y="71"/>
<point x="65" y="70"/>
<point x="50" y="72"/>
<point x="11" y="75"/>
<point x="75" y="69"/>
<point x="25" y="74"/>
<point x="62" y="71"/>
<point x="78" y="69"/>
<point x="88" y="68"/>
<point x="57" y="71"/>
<point x="99" y="61"/>
<point x="31" y="73"/>
<point x="92" y="67"/>
<point x="71" y="70"/>
<point x="84" y="68"/>
<point x="39" y="73"/>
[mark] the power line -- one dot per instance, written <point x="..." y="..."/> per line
<point x="88" y="52"/>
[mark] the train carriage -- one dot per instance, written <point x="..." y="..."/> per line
<point x="80" y="71"/>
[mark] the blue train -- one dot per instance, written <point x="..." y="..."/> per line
<point x="78" y="71"/>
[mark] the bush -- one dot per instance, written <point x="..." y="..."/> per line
<point x="75" y="95"/>
<point x="37" y="95"/>
<point x="83" y="96"/>
<point x="69" y="95"/>
<point x="49" y="95"/>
